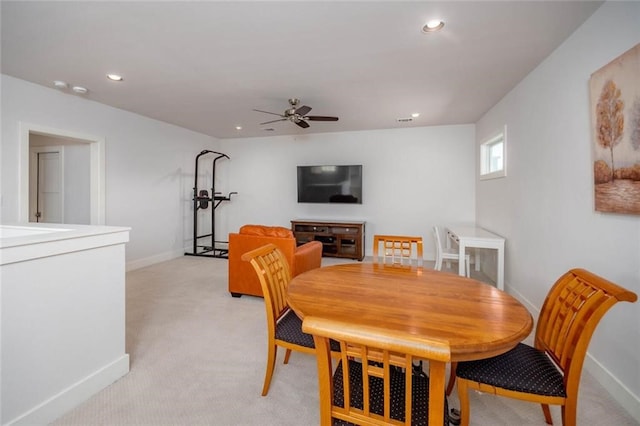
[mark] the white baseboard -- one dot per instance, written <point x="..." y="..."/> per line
<point x="151" y="260"/>
<point x="618" y="391"/>
<point x="629" y="401"/>
<point x="74" y="395"/>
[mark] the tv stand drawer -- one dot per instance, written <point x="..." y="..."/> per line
<point x="339" y="239"/>
<point x="343" y="230"/>
<point x="311" y="228"/>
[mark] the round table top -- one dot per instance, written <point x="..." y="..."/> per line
<point x="476" y="319"/>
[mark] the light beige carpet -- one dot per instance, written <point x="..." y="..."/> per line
<point x="198" y="358"/>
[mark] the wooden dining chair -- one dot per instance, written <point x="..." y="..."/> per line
<point x="549" y="372"/>
<point x="284" y="328"/>
<point x="398" y="249"/>
<point x="373" y="382"/>
<point x="449" y="254"/>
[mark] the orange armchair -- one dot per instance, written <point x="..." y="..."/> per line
<point x="242" y="277"/>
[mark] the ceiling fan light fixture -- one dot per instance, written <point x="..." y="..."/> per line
<point x="432" y="26"/>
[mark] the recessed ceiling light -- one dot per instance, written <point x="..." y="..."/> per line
<point x="80" y="90"/>
<point x="60" y="84"/>
<point x="415" y="115"/>
<point x="115" y="77"/>
<point x="238" y="127"/>
<point x="432" y="26"/>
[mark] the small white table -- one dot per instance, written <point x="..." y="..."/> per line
<point x="474" y="236"/>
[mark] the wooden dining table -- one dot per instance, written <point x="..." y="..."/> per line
<point x="475" y="319"/>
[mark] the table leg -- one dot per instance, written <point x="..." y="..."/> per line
<point x="437" y="379"/>
<point x="500" y="272"/>
<point x="462" y="251"/>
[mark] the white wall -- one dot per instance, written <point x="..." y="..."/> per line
<point x="76" y="184"/>
<point x="545" y="206"/>
<point x="412" y="179"/>
<point x="149" y="165"/>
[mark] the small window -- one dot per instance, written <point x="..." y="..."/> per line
<point x="493" y="156"/>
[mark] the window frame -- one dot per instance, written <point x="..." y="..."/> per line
<point x="485" y="148"/>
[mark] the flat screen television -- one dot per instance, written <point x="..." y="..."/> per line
<point x="330" y="184"/>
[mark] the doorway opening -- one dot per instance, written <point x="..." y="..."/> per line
<point x="47" y="185"/>
<point x="64" y="172"/>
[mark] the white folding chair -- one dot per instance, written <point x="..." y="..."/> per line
<point x="444" y="253"/>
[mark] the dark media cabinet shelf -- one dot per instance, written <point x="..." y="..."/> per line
<point x="338" y="238"/>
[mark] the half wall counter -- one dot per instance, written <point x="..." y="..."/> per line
<point x="62" y="309"/>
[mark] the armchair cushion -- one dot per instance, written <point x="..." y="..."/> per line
<point x="306" y="257"/>
<point x="242" y="277"/>
<point x="266" y="231"/>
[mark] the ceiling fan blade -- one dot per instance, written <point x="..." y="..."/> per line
<point x="303" y="110"/>
<point x="320" y="118"/>
<point x="273" y="121"/>
<point x="267" y="112"/>
<point x="302" y="123"/>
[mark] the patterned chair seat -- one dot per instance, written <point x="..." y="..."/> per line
<point x="289" y="329"/>
<point x="522" y="369"/>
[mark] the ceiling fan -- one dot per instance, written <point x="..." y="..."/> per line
<point x="297" y="115"/>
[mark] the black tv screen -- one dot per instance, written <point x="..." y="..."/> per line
<point x="330" y="184"/>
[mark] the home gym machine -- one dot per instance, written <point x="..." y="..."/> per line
<point x="201" y="200"/>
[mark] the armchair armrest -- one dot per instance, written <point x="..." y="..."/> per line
<point x="306" y="257"/>
<point x="242" y="277"/>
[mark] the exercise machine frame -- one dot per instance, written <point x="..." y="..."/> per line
<point x="201" y="200"/>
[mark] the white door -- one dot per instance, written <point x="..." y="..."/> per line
<point x="47" y="203"/>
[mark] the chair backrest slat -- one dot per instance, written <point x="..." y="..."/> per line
<point x="398" y="249"/>
<point x="569" y="316"/>
<point x="273" y="272"/>
<point x="438" y="238"/>
<point x="380" y="354"/>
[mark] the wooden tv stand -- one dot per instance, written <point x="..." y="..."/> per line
<point x="338" y="238"/>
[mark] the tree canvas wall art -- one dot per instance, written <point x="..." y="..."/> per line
<point x="615" y="114"/>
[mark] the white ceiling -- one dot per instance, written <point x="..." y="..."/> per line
<point x="205" y="65"/>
